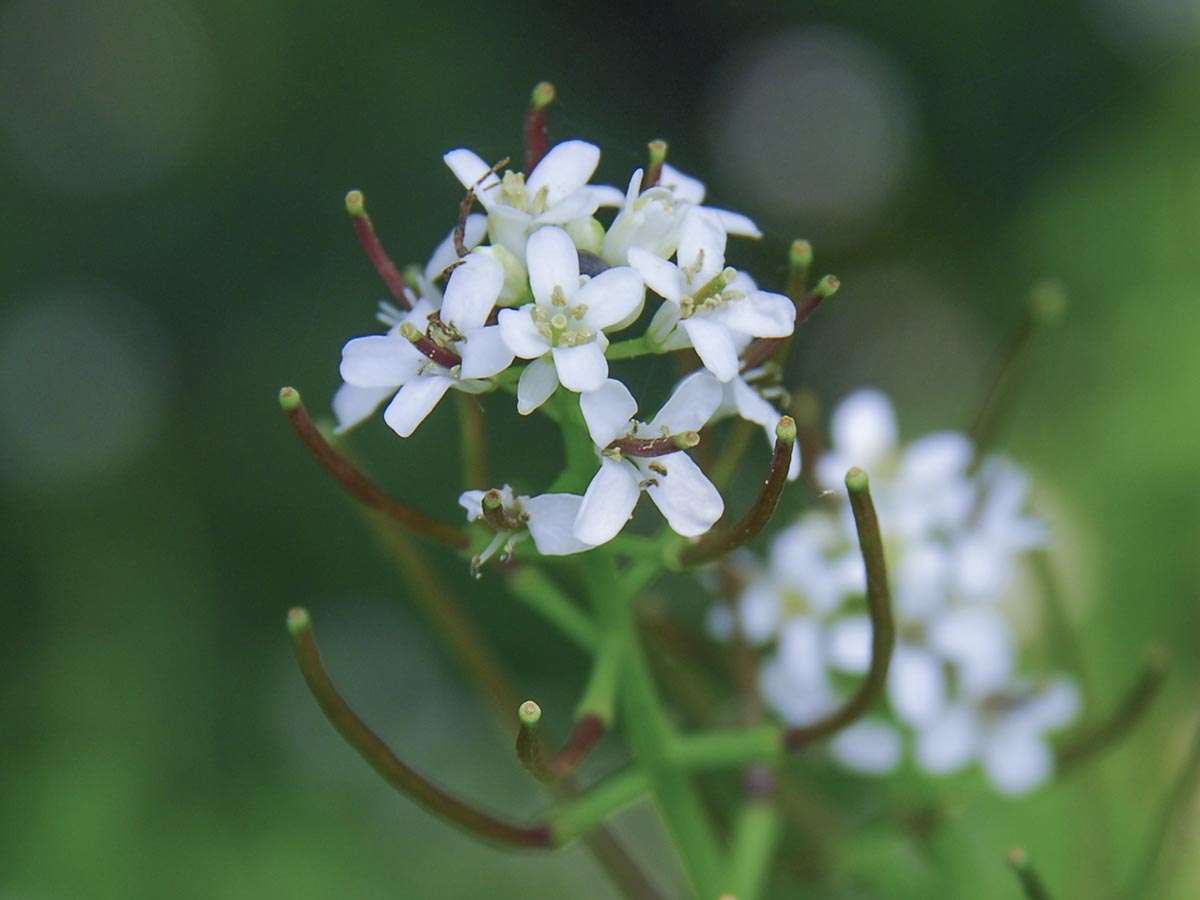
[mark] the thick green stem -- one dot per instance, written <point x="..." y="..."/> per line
<point x="756" y="835"/>
<point x="640" y="346"/>
<point x="727" y="749"/>
<point x="601" y="802"/>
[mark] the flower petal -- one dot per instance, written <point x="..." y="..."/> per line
<point x="980" y="644"/>
<point x="949" y="743"/>
<point x="581" y="368"/>
<point x="446" y="253"/>
<point x="578" y="205"/>
<point x="538" y="382"/>
<point x="662" y="277"/>
<point x="714" y="345"/>
<point x="414" y="402"/>
<point x="468" y="168"/>
<point x="615" y="295"/>
<point x="850" y="644"/>
<point x="864" y="429"/>
<point x="690" y="405"/>
<point x="608" y="503"/>
<point x="916" y="685"/>
<point x="353" y="405"/>
<point x="608" y="411"/>
<point x="1016" y="760"/>
<point x="760" y="314"/>
<point x="759" y="610"/>
<point x="563" y="171"/>
<point x="379" y="361"/>
<point x="685" y="187"/>
<point x="472" y="291"/>
<point x="551" y="518"/>
<point x="701" y="247"/>
<point x="553" y="262"/>
<point x="870" y="747"/>
<point x="484" y="353"/>
<point x="509" y="228"/>
<point x="520" y="333"/>
<point x="685" y="496"/>
<point x="735" y="223"/>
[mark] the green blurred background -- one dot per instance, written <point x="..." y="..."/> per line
<point x="175" y="249"/>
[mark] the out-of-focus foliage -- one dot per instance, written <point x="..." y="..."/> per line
<point x="176" y="248"/>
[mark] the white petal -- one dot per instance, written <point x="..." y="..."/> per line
<point x="564" y="170"/>
<point x="714" y="346"/>
<point x="553" y="262"/>
<point x="736" y="223"/>
<point x="870" y="747"/>
<point x="520" y="332"/>
<point x="446" y="253"/>
<point x="863" y="428"/>
<point x="685" y="187"/>
<point x="796" y="703"/>
<point x="980" y="644"/>
<point x="379" y="361"/>
<point x="415" y="401"/>
<point x="701" y="247"/>
<point x="663" y="329"/>
<point x="801" y="652"/>
<point x="551" y="518"/>
<point x="352" y="404"/>
<point x="916" y="685"/>
<point x="604" y="195"/>
<point x="472" y="502"/>
<point x="662" y="277"/>
<point x="1016" y="760"/>
<point x="578" y="205"/>
<point x="690" y="405"/>
<point x="850" y="644"/>
<point x="937" y="456"/>
<point x="538" y="382"/>
<point x="919" y="586"/>
<point x="468" y="168"/>
<point x="613" y="296"/>
<point x="581" y="368"/>
<point x="752" y="407"/>
<point x="509" y="228"/>
<point x="685" y="496"/>
<point x="760" y="314"/>
<point x="608" y="411"/>
<point x="484" y="353"/>
<point x="1054" y="708"/>
<point x="472" y="291"/>
<point x="759" y="611"/>
<point x="608" y="503"/>
<point x="949" y="743"/>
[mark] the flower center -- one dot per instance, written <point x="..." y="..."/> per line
<point x="562" y="326"/>
<point x="711" y="295"/>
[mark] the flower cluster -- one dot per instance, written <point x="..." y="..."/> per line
<point x="527" y="297"/>
<point x="954" y="537"/>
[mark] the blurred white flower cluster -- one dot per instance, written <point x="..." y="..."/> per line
<point x="954" y="538"/>
<point x="525" y="299"/>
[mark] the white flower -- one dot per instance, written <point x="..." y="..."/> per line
<point x="678" y="488"/>
<point x="742" y="399"/>
<point x="547" y="518"/>
<point x="461" y="351"/>
<point x="715" y="308"/>
<point x="651" y="219"/>
<point x="556" y="192"/>
<point x="567" y="319"/>
<point x="1006" y="732"/>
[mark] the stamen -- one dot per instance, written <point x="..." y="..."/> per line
<point x="440" y="355"/>
<point x="646" y="448"/>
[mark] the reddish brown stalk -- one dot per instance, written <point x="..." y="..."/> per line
<point x="883" y="628"/>
<point x="537" y="135"/>
<point x="721" y="541"/>
<point x="658" y="155"/>
<point x="429" y="348"/>
<point x="647" y="448"/>
<point x="394" y="770"/>
<point x="370" y="243"/>
<point x="356" y="483"/>
<point x="586" y="734"/>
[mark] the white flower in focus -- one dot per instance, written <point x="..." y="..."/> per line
<point x="458" y="349"/>
<point x="651" y="219"/>
<point x="681" y="491"/>
<point x="1005" y="732"/>
<point x="547" y="518"/>
<point x="566" y="320"/>
<point x="556" y="192"/>
<point x="709" y="307"/>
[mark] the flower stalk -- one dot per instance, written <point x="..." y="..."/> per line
<point x="356" y="483"/>
<point x="537" y="135"/>
<point x="356" y="207"/>
<point x="1031" y="882"/>
<point x="393" y="770"/>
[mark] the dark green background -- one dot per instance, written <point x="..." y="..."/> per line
<point x="155" y="740"/>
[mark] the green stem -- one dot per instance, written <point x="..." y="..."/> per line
<point x="537" y="590"/>
<point x="599" y="697"/>
<point x="640" y="346"/>
<point x="474" y="441"/>
<point x="1031" y="882"/>
<point x="756" y="835"/>
<point x="601" y="802"/>
<point x="727" y="749"/>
